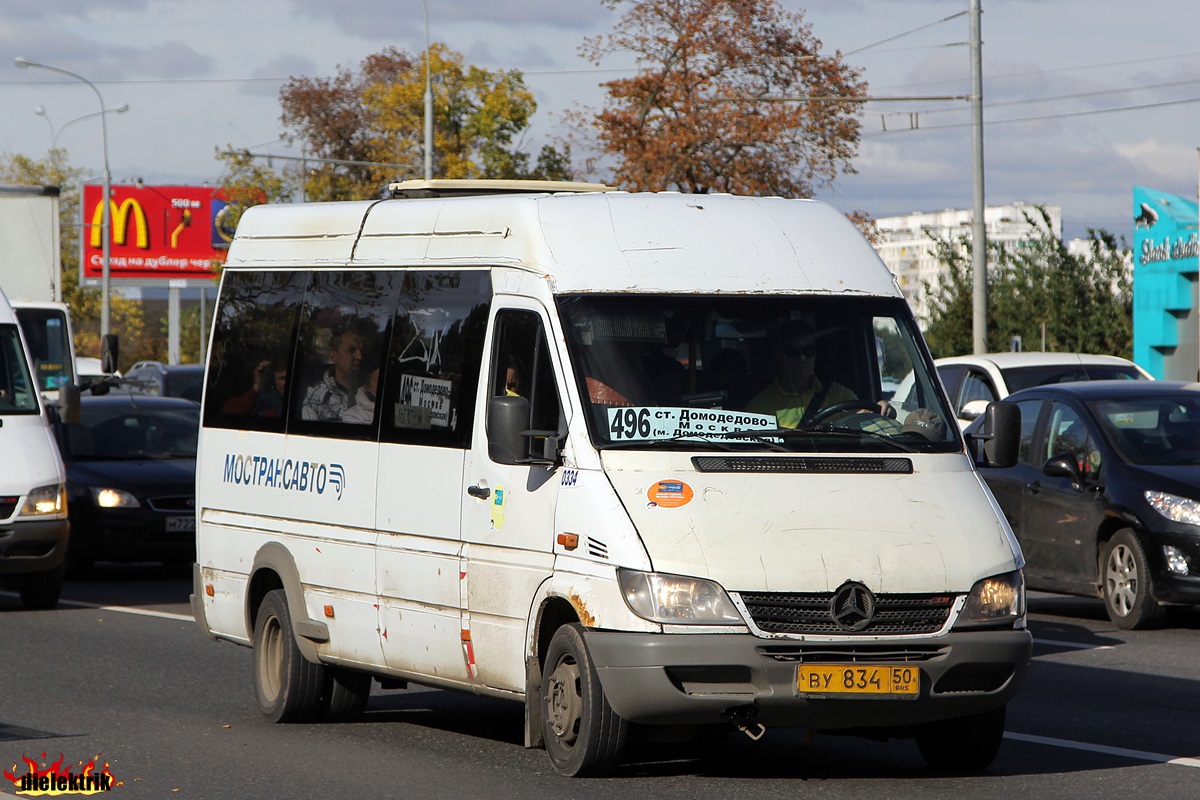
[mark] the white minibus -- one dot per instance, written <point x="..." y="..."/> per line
<point x="625" y="458"/>
<point x="34" y="528"/>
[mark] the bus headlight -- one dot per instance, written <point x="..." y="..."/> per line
<point x="998" y="600"/>
<point x="46" y="501"/>
<point x="676" y="599"/>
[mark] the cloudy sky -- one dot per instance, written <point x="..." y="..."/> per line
<point x="1083" y="98"/>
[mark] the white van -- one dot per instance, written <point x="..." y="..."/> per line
<point x="553" y="446"/>
<point x="33" y="496"/>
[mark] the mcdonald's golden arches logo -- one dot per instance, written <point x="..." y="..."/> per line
<point x="119" y="215"/>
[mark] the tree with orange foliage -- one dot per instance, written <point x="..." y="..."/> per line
<point x="375" y="117"/>
<point x="708" y="110"/>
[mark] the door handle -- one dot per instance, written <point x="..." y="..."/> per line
<point x="1033" y="487"/>
<point x="482" y="492"/>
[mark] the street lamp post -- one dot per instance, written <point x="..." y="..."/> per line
<point x="428" y="100"/>
<point x="106" y="214"/>
<point x="54" y="134"/>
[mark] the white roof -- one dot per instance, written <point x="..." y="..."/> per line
<point x="1008" y="360"/>
<point x="582" y="242"/>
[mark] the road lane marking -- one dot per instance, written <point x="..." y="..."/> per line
<point x="141" y="612"/>
<point x="1073" y="645"/>
<point x="1138" y="755"/>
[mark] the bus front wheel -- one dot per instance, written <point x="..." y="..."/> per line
<point x="583" y="735"/>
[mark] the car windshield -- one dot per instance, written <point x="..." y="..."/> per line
<point x="1017" y="378"/>
<point x="133" y="432"/>
<point x="17" y="394"/>
<point x="187" y="385"/>
<point x="752" y="372"/>
<point x="1153" y="431"/>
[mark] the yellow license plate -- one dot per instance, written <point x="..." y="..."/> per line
<point x="858" y="679"/>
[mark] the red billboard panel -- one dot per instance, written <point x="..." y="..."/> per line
<point x="158" y="232"/>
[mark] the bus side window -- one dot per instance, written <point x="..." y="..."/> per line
<point x="344" y="334"/>
<point x="253" y="339"/>
<point x="521" y="366"/>
<point x="431" y="376"/>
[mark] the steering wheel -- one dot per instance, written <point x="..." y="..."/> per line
<point x="847" y="405"/>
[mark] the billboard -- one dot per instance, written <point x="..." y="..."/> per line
<point x="158" y="232"/>
<point x="1166" y="264"/>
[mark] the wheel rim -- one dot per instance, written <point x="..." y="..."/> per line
<point x="1121" y="580"/>
<point x="564" y="703"/>
<point x="270" y="658"/>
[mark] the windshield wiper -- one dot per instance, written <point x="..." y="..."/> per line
<point x="818" y="430"/>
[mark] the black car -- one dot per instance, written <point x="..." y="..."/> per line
<point x="131" y="474"/>
<point x="1105" y="497"/>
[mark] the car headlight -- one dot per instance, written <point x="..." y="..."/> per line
<point x="1174" y="507"/>
<point x="676" y="599"/>
<point x="113" y="498"/>
<point x="994" y="601"/>
<point x="46" y="501"/>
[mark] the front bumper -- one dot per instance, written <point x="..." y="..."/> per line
<point x="691" y="679"/>
<point x="1171" y="587"/>
<point x="134" y="535"/>
<point x="32" y="545"/>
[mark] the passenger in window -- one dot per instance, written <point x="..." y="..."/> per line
<point x="363" y="410"/>
<point x="513" y="377"/>
<point x="329" y="398"/>
<point x="797" y="394"/>
<point x="264" y="397"/>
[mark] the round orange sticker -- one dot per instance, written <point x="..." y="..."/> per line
<point x="669" y="494"/>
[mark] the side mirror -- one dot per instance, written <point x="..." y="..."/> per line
<point x="973" y="410"/>
<point x="109" y="353"/>
<point x="1000" y="434"/>
<point x="507" y="418"/>
<point x="1064" y="466"/>
<point x="68" y="403"/>
<point x="509" y="434"/>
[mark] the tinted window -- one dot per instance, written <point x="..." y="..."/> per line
<point x="1029" y="454"/>
<point x="522" y="367"/>
<point x="126" y="433"/>
<point x="16" y="385"/>
<point x="342" y="341"/>
<point x="432" y="370"/>
<point x="1023" y="377"/>
<point x="691" y="369"/>
<point x="253" y="334"/>
<point x="1153" y="430"/>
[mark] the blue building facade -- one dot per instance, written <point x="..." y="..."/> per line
<point x="1166" y="267"/>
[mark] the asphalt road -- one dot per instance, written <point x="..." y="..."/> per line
<point x="119" y="670"/>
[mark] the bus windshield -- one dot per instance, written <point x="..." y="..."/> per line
<point x="17" y="395"/>
<point x="751" y="372"/>
<point x="48" y="336"/>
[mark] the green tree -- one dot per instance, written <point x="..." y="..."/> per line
<point x="1079" y="302"/>
<point x="704" y="113"/>
<point x="371" y="123"/>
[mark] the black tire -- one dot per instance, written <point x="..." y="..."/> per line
<point x="962" y="744"/>
<point x="41" y="590"/>
<point x="1127" y="587"/>
<point x="583" y="735"/>
<point x="81" y="557"/>
<point x="288" y="686"/>
<point x="346" y="694"/>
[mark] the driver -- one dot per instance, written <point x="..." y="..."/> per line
<point x="797" y="394"/>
